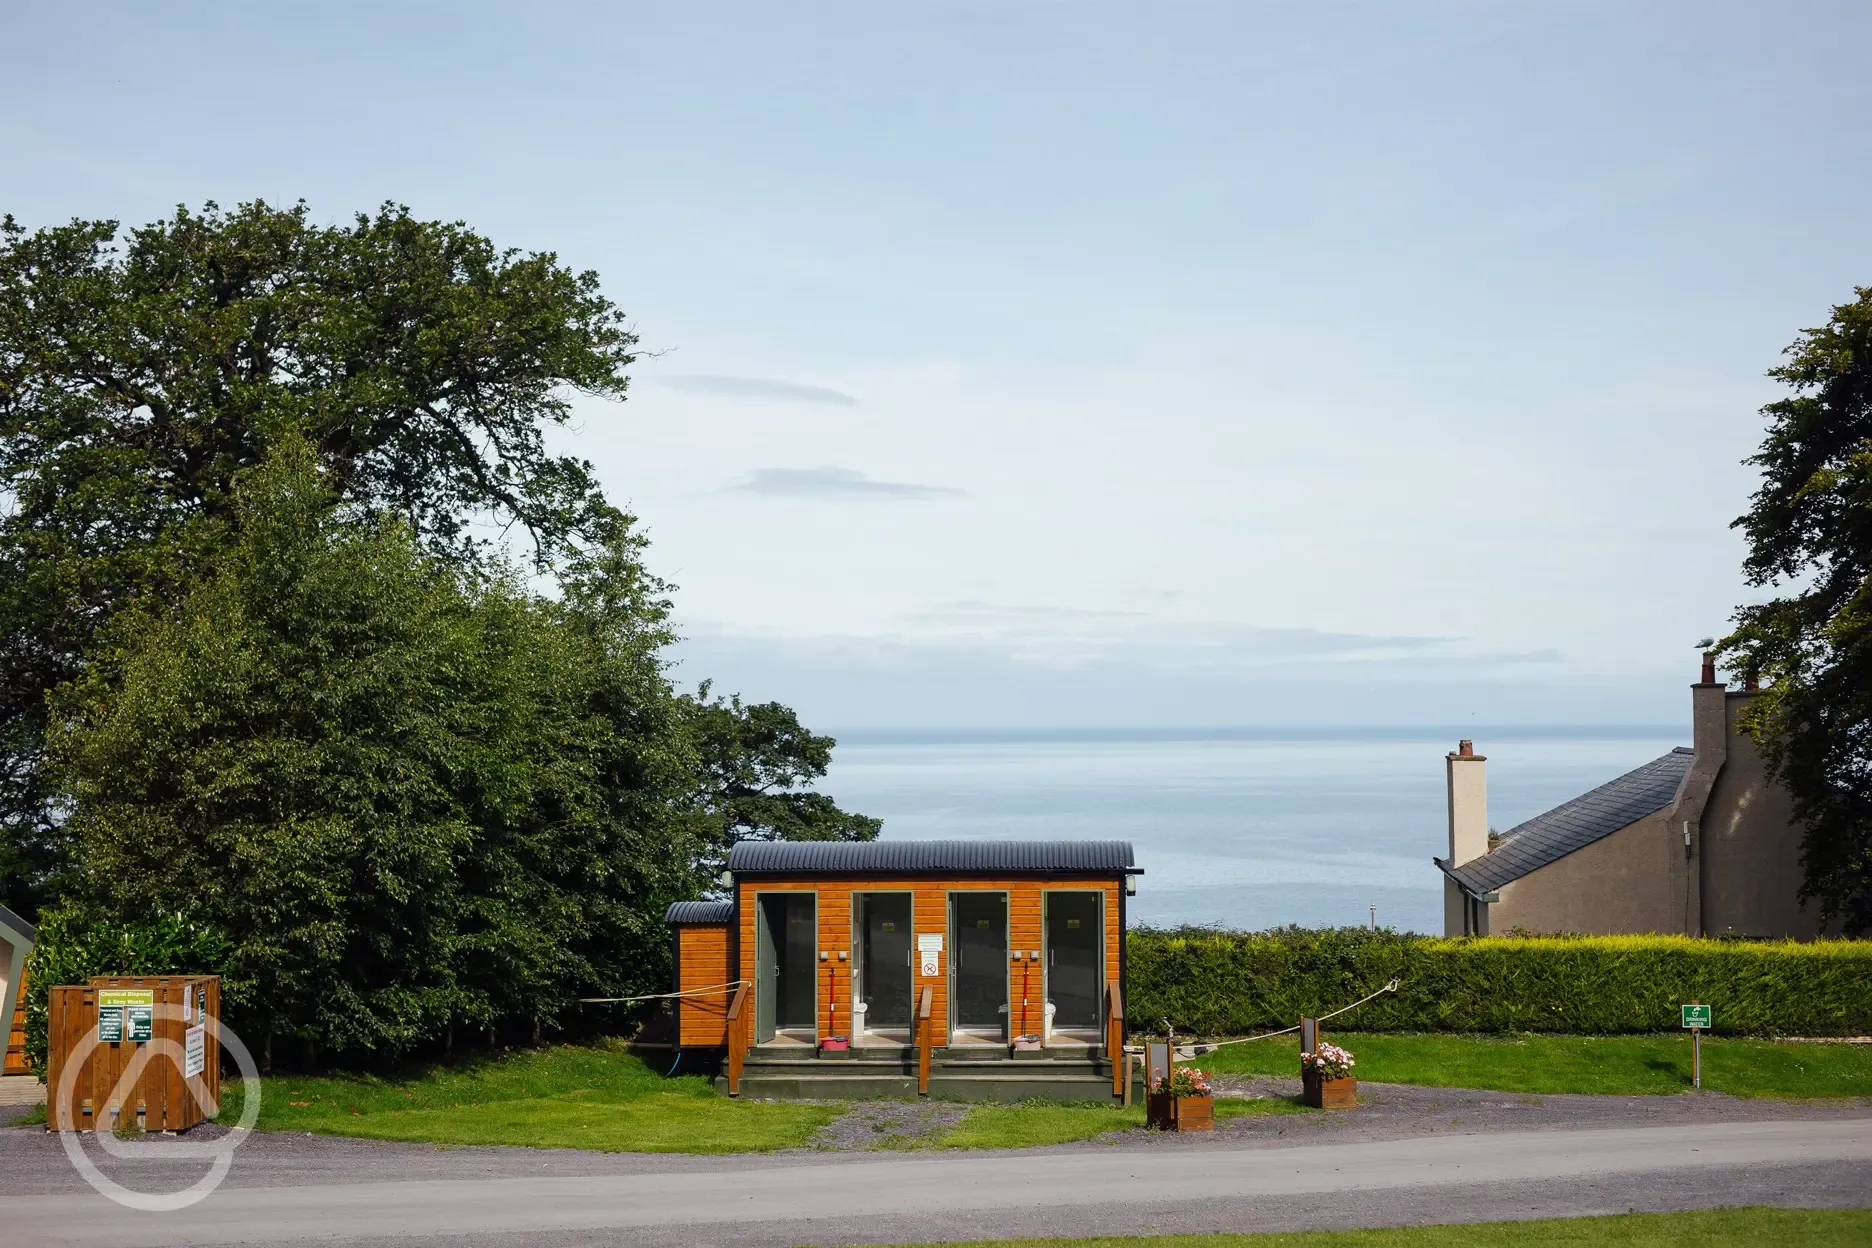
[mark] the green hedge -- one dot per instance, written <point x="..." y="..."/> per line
<point x="1212" y="982"/>
<point x="70" y="952"/>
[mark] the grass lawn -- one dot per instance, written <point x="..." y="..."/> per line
<point x="1611" y="1064"/>
<point x="600" y="1097"/>
<point x="1718" y="1228"/>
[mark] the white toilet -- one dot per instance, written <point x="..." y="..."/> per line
<point x="858" y="1011"/>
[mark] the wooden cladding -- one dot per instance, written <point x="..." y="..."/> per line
<point x="702" y="961"/>
<point x="930" y="911"/>
<point x="15" y="1063"/>
<point x="159" y="1097"/>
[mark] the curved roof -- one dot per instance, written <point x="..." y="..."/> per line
<point x="906" y="857"/>
<point x="699" y="912"/>
<point x="1572" y="825"/>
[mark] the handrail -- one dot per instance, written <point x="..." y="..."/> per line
<point x="925" y="1040"/>
<point x="736" y="1047"/>
<point x="1114" y="1036"/>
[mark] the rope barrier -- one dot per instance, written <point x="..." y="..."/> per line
<point x="1194" y="1049"/>
<point x="711" y="990"/>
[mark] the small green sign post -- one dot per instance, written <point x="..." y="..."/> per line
<point x="1696" y="1018"/>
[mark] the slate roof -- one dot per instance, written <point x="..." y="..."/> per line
<point x="907" y="857"/>
<point x="1545" y="838"/>
<point x="699" y="912"/>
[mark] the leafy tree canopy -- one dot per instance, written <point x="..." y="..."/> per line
<point x="139" y="375"/>
<point x="1809" y="531"/>
<point x="265" y="666"/>
<point x="410" y="799"/>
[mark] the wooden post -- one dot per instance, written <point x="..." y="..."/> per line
<point x="925" y="1040"/>
<point x="1127" y="1080"/>
<point x="1114" y="1039"/>
<point x="737" y="1026"/>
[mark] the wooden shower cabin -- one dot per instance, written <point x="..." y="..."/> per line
<point x="895" y="951"/>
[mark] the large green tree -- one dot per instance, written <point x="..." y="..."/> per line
<point x="1809" y="531"/>
<point x="141" y="371"/>
<point x="410" y="797"/>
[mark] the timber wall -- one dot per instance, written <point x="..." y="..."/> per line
<point x="15" y="1063"/>
<point x="929" y="914"/>
<point x="702" y="961"/>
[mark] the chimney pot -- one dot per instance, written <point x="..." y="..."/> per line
<point x="1709" y="668"/>
<point x="1465" y="748"/>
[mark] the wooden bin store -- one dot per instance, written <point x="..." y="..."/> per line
<point x="152" y="1027"/>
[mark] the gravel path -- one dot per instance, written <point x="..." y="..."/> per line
<point x="888" y="1124"/>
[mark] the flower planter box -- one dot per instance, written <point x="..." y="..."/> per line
<point x="1328" y="1093"/>
<point x="1180" y="1113"/>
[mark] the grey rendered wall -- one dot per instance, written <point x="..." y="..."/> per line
<point x="1621" y="883"/>
<point x="1751" y="874"/>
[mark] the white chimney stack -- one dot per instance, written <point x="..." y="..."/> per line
<point x="1467" y="772"/>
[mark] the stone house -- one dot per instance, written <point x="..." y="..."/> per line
<point x="1696" y="842"/>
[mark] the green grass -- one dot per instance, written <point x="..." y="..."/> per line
<point x="1033" y="1123"/>
<point x="1626" y="1065"/>
<point x="599" y="1097"/>
<point x="34" y="1117"/>
<point x="1716" y="1228"/>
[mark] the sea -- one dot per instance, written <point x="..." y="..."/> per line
<point x="1245" y="828"/>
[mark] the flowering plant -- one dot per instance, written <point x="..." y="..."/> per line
<point x="1185" y="1081"/>
<point x="1328" y="1061"/>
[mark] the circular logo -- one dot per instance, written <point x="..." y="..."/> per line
<point x="218" y="1152"/>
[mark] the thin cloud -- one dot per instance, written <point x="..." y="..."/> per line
<point x="837" y="484"/>
<point x="755" y="388"/>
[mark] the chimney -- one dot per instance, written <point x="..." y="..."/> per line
<point x="1467" y="773"/>
<point x="1709" y="715"/>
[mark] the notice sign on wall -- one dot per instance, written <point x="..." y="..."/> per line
<point x="929" y="952"/>
<point x="110" y="1024"/>
<point x="125" y="1014"/>
<point x="194" y="1051"/>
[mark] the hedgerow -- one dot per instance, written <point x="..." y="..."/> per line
<point x="1215" y="982"/>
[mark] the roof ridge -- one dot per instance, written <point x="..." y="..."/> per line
<point x="1576" y="823"/>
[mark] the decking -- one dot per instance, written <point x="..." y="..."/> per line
<point x="972" y="1073"/>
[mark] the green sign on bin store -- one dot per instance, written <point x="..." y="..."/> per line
<point x="1696" y="1016"/>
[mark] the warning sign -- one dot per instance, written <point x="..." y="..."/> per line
<point x="194" y="1051"/>
<point x="110" y="1024"/>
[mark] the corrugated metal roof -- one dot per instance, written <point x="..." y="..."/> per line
<point x="1590" y="816"/>
<point x="903" y="857"/>
<point x="699" y="912"/>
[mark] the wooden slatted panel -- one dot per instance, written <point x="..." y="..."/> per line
<point x="702" y="961"/>
<point x="929" y="913"/>
<point x="15" y="1062"/>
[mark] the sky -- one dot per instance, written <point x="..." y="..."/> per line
<point x="1090" y="364"/>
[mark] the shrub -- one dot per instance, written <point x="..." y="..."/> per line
<point x="1218" y="982"/>
<point x="68" y="951"/>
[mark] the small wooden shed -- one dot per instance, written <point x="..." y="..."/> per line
<point x="953" y="948"/>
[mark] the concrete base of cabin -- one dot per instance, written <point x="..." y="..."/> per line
<point x="968" y="1073"/>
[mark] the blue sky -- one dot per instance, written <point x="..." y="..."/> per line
<point x="1085" y="363"/>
